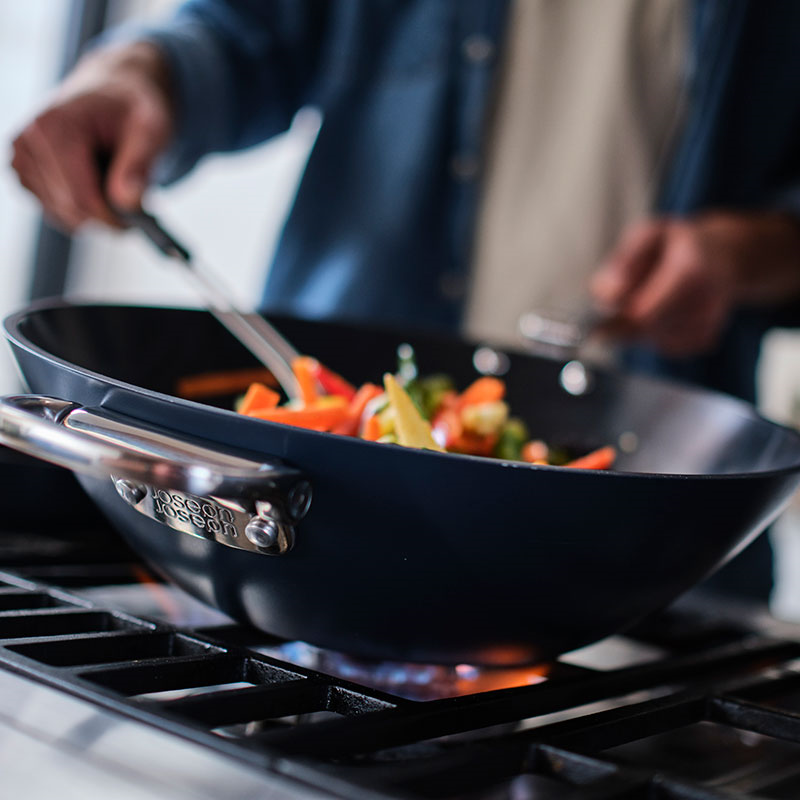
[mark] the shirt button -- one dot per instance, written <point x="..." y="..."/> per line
<point x="477" y="48"/>
<point x="465" y="166"/>
<point x="453" y="286"/>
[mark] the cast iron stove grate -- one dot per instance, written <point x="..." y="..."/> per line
<point x="718" y="716"/>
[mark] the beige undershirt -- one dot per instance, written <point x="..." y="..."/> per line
<point x="588" y="104"/>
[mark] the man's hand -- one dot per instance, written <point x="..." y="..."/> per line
<point x="674" y="282"/>
<point x="97" y="140"/>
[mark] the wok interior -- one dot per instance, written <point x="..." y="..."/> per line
<point x="675" y="429"/>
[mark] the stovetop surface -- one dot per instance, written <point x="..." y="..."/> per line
<point x="126" y="687"/>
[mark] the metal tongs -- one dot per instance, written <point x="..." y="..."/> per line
<point x="251" y="330"/>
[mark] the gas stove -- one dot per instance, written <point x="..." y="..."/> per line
<point x="113" y="683"/>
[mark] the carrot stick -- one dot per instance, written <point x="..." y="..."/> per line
<point x="372" y="429"/>
<point x="602" y="458"/>
<point x="258" y="397"/>
<point x="304" y="368"/>
<point x="318" y="418"/>
<point x="210" y="384"/>
<point x="484" y="390"/>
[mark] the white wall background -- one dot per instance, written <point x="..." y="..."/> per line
<point x="30" y="46"/>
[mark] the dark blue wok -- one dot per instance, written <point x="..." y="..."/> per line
<point x="408" y="554"/>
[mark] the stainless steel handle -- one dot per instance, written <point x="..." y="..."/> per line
<point x="563" y="336"/>
<point x="252" y="505"/>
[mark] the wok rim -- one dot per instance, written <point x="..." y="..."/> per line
<point x="13" y="335"/>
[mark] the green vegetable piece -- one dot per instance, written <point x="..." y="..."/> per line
<point x="416" y="391"/>
<point x="558" y="456"/>
<point x="434" y="389"/>
<point x="512" y="438"/>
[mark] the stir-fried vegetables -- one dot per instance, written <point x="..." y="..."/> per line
<point x="413" y="411"/>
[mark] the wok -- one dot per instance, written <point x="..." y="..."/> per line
<point x="402" y="554"/>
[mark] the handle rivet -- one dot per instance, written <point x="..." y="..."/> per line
<point x="132" y="493"/>
<point x="299" y="499"/>
<point x="261" y="532"/>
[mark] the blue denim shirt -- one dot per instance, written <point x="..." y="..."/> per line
<point x="381" y="228"/>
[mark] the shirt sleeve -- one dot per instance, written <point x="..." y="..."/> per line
<point x="239" y="71"/>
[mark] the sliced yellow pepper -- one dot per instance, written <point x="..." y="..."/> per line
<point x="411" y="429"/>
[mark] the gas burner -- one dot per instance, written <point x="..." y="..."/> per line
<point x="412" y="681"/>
<point x="406" y="679"/>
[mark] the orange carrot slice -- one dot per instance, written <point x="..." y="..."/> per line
<point x="484" y="390"/>
<point x="258" y="397"/>
<point x="317" y="418"/>
<point x="305" y="368"/>
<point x="211" y="384"/>
<point x="372" y="430"/>
<point x="602" y="458"/>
